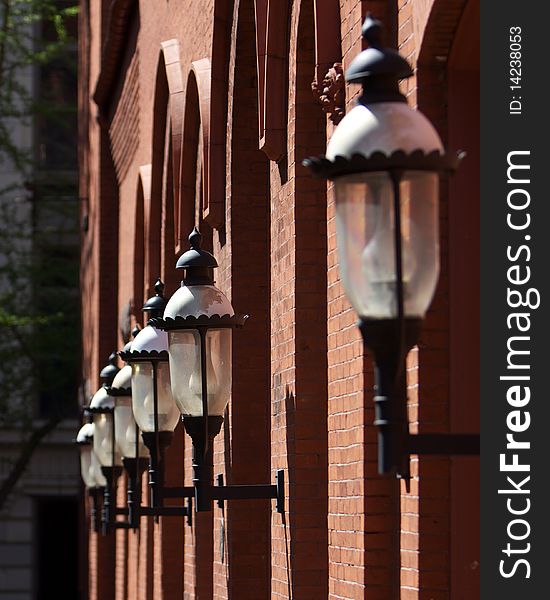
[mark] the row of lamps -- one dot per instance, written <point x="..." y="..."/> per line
<point x="178" y="366"/>
<point x="385" y="160"/>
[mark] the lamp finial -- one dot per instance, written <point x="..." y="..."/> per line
<point x="159" y="287"/>
<point x="195" y="238"/>
<point x="108" y="372"/>
<point x="156" y="304"/>
<point x="372" y="31"/>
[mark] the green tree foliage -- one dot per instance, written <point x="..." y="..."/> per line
<point x="21" y="47"/>
<point x="39" y="306"/>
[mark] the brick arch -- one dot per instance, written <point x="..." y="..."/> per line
<point x="198" y="96"/>
<point x="194" y="167"/>
<point x="272" y="49"/>
<point x="219" y="81"/>
<point x="188" y="175"/>
<point x="143" y="197"/>
<point x="174" y="78"/>
<point x="194" y="177"/>
<point x="204" y="142"/>
<point x="437" y="25"/>
<point x="328" y="47"/>
<point x="167" y="121"/>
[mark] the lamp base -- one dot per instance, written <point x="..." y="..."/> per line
<point x="195" y="428"/>
<point x="203" y="432"/>
<point x="96" y="495"/>
<point x="134" y="467"/>
<point x="384" y="337"/>
<point x="390" y="341"/>
<point x="149" y="439"/>
<point x="157" y="448"/>
<point x="111" y="474"/>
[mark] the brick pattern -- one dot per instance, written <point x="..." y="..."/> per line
<point x="121" y="547"/>
<point x="172" y="530"/>
<point x="144" y="572"/>
<point x="102" y="566"/>
<point x="242" y="452"/>
<point x="298" y="322"/>
<point x="345" y="400"/>
<point x="124" y="131"/>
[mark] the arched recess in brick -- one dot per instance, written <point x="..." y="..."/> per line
<point x="448" y="93"/>
<point x="167" y="127"/>
<point x="272" y="46"/>
<point x="168" y="254"/>
<point x="143" y="197"/>
<point x="202" y="174"/>
<point x="187" y="212"/>
<point x="272" y="49"/>
<point x="328" y="48"/>
<point x="221" y="42"/>
<point x="195" y="207"/>
<point x="247" y="425"/>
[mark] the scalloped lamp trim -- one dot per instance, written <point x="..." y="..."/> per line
<point x="191" y="322"/>
<point x="418" y="160"/>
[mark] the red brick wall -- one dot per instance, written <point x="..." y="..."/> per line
<point x="302" y="387"/>
<point x="298" y="329"/>
<point x="243" y="451"/>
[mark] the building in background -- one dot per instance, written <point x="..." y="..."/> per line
<point x="200" y="113"/>
<point x="39" y="298"/>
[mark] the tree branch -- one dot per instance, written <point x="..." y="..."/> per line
<point x="20" y="465"/>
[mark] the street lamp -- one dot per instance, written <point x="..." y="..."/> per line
<point x="153" y="406"/>
<point x="385" y="160"/>
<point x="154" y="409"/>
<point x="128" y="440"/>
<point x="102" y="408"/>
<point x="198" y="319"/>
<point x="93" y="478"/>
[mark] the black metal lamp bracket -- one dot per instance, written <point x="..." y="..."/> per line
<point x="170" y="511"/>
<point x="159" y="511"/>
<point x="222" y="492"/>
<point x="148" y="511"/>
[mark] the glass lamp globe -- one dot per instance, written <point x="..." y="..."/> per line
<point x="365" y="217"/>
<point x="199" y="301"/>
<point x="154" y="341"/>
<point x="84" y="440"/>
<point x="97" y="473"/>
<point x="126" y="432"/>
<point x="185" y="351"/>
<point x="86" y="466"/>
<point x="102" y="406"/>
<point x="385" y="159"/>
